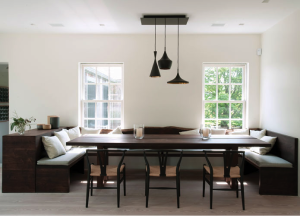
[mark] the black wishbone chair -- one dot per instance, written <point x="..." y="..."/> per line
<point x="229" y="170"/>
<point x="162" y="170"/>
<point x="105" y="170"/>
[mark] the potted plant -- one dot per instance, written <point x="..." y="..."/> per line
<point x="19" y="123"/>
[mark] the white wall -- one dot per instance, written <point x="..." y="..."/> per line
<point x="280" y="76"/>
<point x="44" y="75"/>
<point x="44" y="81"/>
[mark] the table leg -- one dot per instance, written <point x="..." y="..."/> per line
<point x="101" y="179"/>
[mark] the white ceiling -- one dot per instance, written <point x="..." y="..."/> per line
<point x="123" y="16"/>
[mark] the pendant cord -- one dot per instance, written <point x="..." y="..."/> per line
<point x="178" y="49"/>
<point x="155" y="35"/>
<point x="165" y="34"/>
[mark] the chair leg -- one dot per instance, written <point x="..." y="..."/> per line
<point x="177" y="190"/>
<point x="211" y="191"/>
<point x="242" y="190"/>
<point x="203" y="190"/>
<point x="179" y="183"/>
<point x="92" y="179"/>
<point x="124" y="181"/>
<point x="147" y="190"/>
<point x="145" y="183"/>
<point x="87" y="192"/>
<point x="118" y="191"/>
<point x="237" y="188"/>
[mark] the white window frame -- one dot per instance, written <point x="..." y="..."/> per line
<point x="244" y="92"/>
<point x="82" y="95"/>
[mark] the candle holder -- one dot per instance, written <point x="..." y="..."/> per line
<point x="205" y="133"/>
<point x="138" y="131"/>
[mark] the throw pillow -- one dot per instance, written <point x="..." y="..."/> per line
<point x="240" y="132"/>
<point x="264" y="150"/>
<point x="63" y="138"/>
<point x="218" y="131"/>
<point x="89" y="131"/>
<point x="73" y="132"/>
<point x="191" y="132"/>
<point x="53" y="146"/>
<point x="116" y="131"/>
<point x="257" y="134"/>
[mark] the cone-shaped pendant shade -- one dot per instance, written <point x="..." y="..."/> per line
<point x="178" y="80"/>
<point x="165" y="63"/>
<point x="155" y="71"/>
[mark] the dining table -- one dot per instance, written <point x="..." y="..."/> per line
<point x="166" y="141"/>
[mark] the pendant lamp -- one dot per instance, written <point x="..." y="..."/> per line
<point x="178" y="79"/>
<point x="155" y="71"/>
<point x="165" y="63"/>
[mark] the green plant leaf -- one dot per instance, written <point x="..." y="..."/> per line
<point x="12" y="126"/>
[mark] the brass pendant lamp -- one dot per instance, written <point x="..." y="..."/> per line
<point x="178" y="79"/>
<point x="165" y="63"/>
<point x="155" y="71"/>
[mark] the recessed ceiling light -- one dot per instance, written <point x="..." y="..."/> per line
<point x="218" y="24"/>
<point x="101" y="25"/>
<point x="241" y="24"/>
<point x="265" y="1"/>
<point x="56" y="25"/>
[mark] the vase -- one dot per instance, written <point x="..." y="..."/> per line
<point x="138" y="131"/>
<point x="21" y="129"/>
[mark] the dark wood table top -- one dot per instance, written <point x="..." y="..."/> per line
<point x="166" y="142"/>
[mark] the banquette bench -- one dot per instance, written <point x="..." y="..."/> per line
<point x="27" y="169"/>
<point x="278" y="170"/>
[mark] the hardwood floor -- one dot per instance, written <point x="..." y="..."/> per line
<point x="161" y="202"/>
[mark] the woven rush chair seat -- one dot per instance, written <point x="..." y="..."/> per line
<point x="232" y="168"/>
<point x="103" y="169"/>
<point x="218" y="171"/>
<point x="162" y="170"/>
<point x="155" y="171"/>
<point x="110" y="170"/>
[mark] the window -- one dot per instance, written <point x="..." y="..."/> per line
<point x="224" y="96"/>
<point x="102" y="95"/>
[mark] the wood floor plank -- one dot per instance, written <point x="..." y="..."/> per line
<point x="161" y="202"/>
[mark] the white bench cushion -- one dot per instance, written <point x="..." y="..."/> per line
<point x="63" y="160"/>
<point x="267" y="160"/>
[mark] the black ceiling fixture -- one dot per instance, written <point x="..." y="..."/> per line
<point x="178" y="79"/>
<point x="165" y="63"/>
<point x="155" y="71"/>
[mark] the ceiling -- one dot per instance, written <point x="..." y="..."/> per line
<point x="123" y="16"/>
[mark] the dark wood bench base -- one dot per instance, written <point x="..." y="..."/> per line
<point x="56" y="179"/>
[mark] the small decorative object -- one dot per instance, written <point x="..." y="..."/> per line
<point x="19" y="124"/>
<point x="138" y="131"/>
<point x="47" y="126"/>
<point x="54" y="121"/>
<point x="205" y="133"/>
<point x="39" y="126"/>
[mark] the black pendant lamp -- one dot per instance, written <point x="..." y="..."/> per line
<point x="155" y="71"/>
<point x="165" y="63"/>
<point x="178" y="79"/>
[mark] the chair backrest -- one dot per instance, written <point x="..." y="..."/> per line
<point x="162" y="159"/>
<point x="230" y="159"/>
<point x="102" y="155"/>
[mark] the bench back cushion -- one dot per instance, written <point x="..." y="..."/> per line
<point x="285" y="147"/>
<point x="153" y="130"/>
